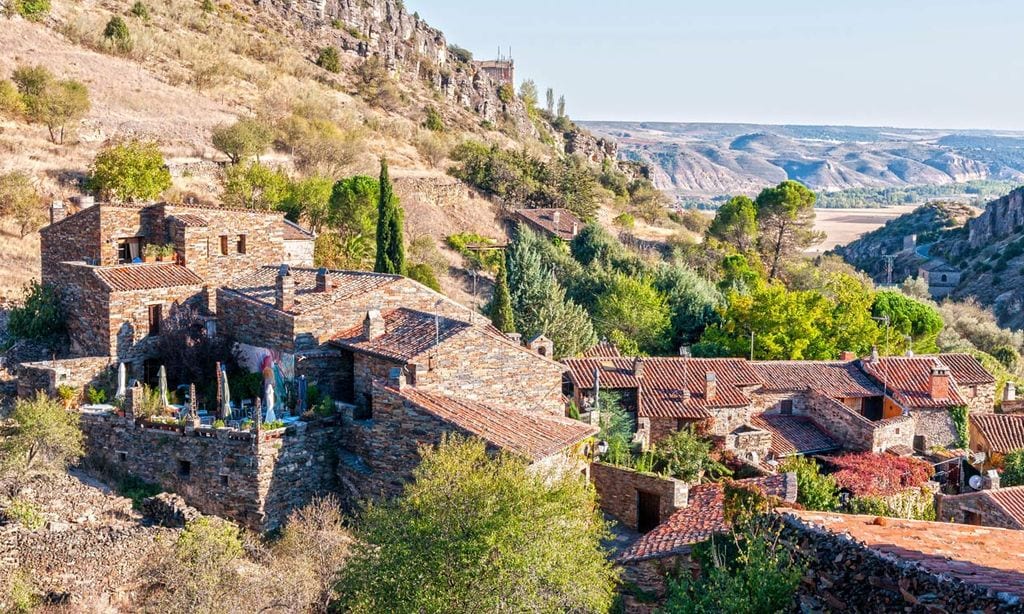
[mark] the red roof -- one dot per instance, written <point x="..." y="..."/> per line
<point x="407" y="334"/>
<point x="603" y="349"/>
<point x="794" y="435"/>
<point x="189" y="220"/>
<point x="1011" y="500"/>
<point x="981" y="556"/>
<point x="259" y="284"/>
<point x="663" y="385"/>
<point x="966" y="369"/>
<point x="129" y="277"/>
<point x="1003" y="432"/>
<point x="544" y="219"/>
<point x="703" y="516"/>
<point x="836" y="379"/>
<point x="907" y="378"/>
<point x="535" y="435"/>
<point x="293" y="232"/>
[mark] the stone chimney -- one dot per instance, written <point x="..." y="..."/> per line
<point x="1010" y="392"/>
<point x="847" y="356"/>
<point x="556" y="218"/>
<point x="638" y="367"/>
<point x="86" y="201"/>
<point x="321" y="280"/>
<point x="284" y="291"/>
<point x="575" y="228"/>
<point x="396" y="378"/>
<point x="516" y="338"/>
<point x="710" y="386"/>
<point x="874" y="355"/>
<point x="990" y="480"/>
<point x="938" y="382"/>
<point x="373" y="325"/>
<point x="57" y="211"/>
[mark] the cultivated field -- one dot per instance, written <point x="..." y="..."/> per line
<point x="845" y="225"/>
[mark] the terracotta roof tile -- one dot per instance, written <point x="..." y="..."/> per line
<point x="294" y="232"/>
<point x="1003" y="432"/>
<point x="603" y="349"/>
<point x="663" y="385"/>
<point x="535" y="435"/>
<point x="259" y="284"/>
<point x="966" y="369"/>
<point x="703" y="517"/>
<point x="187" y="219"/>
<point x="906" y="379"/>
<point x="407" y="334"/>
<point x="1011" y="500"/>
<point x="794" y="435"/>
<point x="836" y="379"/>
<point x="982" y="556"/>
<point x="128" y="277"/>
<point x="545" y="219"/>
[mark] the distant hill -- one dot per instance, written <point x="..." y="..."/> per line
<point x="696" y="160"/>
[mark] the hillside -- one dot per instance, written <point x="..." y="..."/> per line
<point x="696" y="160"/>
<point x="193" y="66"/>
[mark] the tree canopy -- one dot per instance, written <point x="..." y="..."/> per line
<point x="130" y="171"/>
<point x="785" y="219"/>
<point x="735" y="223"/>
<point x="45" y="436"/>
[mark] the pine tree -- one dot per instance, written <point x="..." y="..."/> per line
<point x="500" y="311"/>
<point x="390" y="247"/>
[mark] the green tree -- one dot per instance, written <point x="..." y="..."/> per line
<point x="424" y="273"/>
<point x="550" y="102"/>
<point x="329" y="59"/>
<point x="390" y="240"/>
<point x="908" y="317"/>
<point x="692" y="300"/>
<point x="40" y="318"/>
<point x="118" y="34"/>
<point x="353" y="206"/>
<point x="474" y="533"/>
<point x="633" y="315"/>
<point x="308" y="200"/>
<point x="130" y="171"/>
<point x="20" y="200"/>
<point x="735" y="223"/>
<point x="561" y="106"/>
<point x="32" y="80"/>
<point x="433" y="121"/>
<point x="785" y="219"/>
<point x="1013" y="469"/>
<point x="32" y="10"/>
<point x="576" y="187"/>
<point x="688" y="457"/>
<point x="528" y="94"/>
<point x="58" y="106"/>
<point x="814" y="491"/>
<point x="254" y="186"/>
<point x="44" y="436"/>
<point x="500" y="310"/>
<point x="243" y="139"/>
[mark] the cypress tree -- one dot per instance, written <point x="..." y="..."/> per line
<point x="501" y="303"/>
<point x="390" y="248"/>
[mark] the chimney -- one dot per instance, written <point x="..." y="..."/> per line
<point x="990" y="480"/>
<point x="938" y="382"/>
<point x="638" y="367"/>
<point x="516" y="338"/>
<point x="1010" y="392"/>
<point x="575" y="228"/>
<point x="909" y="352"/>
<point x="57" y="211"/>
<point x="284" y="291"/>
<point x="556" y="218"/>
<point x="710" y="386"/>
<point x="373" y="325"/>
<point x="84" y="202"/>
<point x="321" y="280"/>
<point x="847" y="356"/>
<point x="396" y="378"/>
<point x="874" y="354"/>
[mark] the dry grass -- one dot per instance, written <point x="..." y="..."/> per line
<point x="842" y="226"/>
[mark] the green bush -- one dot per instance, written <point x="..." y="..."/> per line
<point x="41" y="318"/>
<point x="25" y="513"/>
<point x="140" y="10"/>
<point x="486" y="259"/>
<point x="625" y="220"/>
<point x="814" y="491"/>
<point x="118" y="34"/>
<point x="423" y="273"/>
<point x="433" y="121"/>
<point x="219" y="424"/>
<point x="137" y="489"/>
<point x="32" y="10"/>
<point x="1013" y="469"/>
<point x="130" y="171"/>
<point x="328" y="59"/>
<point x="506" y="93"/>
<point x="95" y="395"/>
<point x="273" y="424"/>
<point x="960" y="419"/>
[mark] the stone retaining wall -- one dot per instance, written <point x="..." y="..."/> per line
<point x="617" y="489"/>
<point x="75" y="372"/>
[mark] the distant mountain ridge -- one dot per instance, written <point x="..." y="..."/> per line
<point x="705" y="160"/>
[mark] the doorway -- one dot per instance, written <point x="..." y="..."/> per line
<point x="648" y="510"/>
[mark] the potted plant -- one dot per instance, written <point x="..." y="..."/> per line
<point x="67" y="395"/>
<point x="151" y="252"/>
<point x="166" y="253"/>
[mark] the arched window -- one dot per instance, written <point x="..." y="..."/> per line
<point x="943" y="277"/>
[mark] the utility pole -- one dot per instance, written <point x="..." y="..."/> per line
<point x="751" y="345"/>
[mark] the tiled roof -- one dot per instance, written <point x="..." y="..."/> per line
<point x="1011" y="500"/>
<point x="535" y="435"/>
<point x="662" y="392"/>
<point x="187" y="219"/>
<point x="906" y="379"/>
<point x="294" y="232"/>
<point x="1003" y="432"/>
<point x="128" y="277"/>
<point x="794" y="434"/>
<point x="545" y="219"/>
<point x="407" y="334"/>
<point x="836" y="379"/>
<point x="938" y="264"/>
<point x="703" y="516"/>
<point x="259" y="285"/>
<point x="981" y="556"/>
<point x="603" y="349"/>
<point x="966" y="369"/>
<point x="1016" y="405"/>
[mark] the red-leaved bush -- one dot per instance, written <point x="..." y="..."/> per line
<point x="879" y="475"/>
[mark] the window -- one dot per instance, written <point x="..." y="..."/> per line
<point x="223" y="480"/>
<point x="973" y="392"/>
<point x="128" y="250"/>
<point x="223" y="245"/>
<point x="787" y="407"/>
<point x="240" y="244"/>
<point x="184" y="468"/>
<point x="155" y="313"/>
<point x="122" y="456"/>
<point x="943" y="278"/>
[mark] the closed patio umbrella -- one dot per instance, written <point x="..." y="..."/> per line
<point x="122" y="381"/>
<point x="225" y="406"/>
<point x="269" y="396"/>
<point x="162" y="376"/>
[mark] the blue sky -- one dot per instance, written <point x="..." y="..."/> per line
<point x="907" y="63"/>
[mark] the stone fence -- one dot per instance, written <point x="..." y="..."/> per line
<point x="47" y="375"/>
<point x="618" y="491"/>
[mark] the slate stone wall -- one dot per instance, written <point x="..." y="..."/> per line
<point x="973" y="508"/>
<point x="617" y="489"/>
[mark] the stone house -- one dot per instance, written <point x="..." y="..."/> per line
<point x="942" y="278"/>
<point x="557" y="223"/>
<point x="991" y="507"/>
<point x="299" y="244"/>
<point x="996" y="435"/>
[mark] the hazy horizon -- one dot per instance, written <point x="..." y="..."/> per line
<point x="928" y="65"/>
